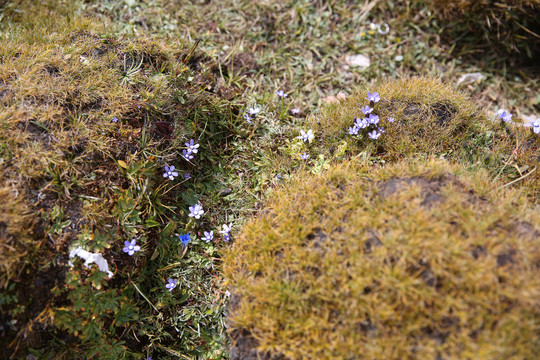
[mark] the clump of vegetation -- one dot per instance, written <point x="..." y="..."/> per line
<point x="423" y="116"/>
<point x="412" y="260"/>
<point x="510" y="25"/>
<point x="89" y="121"/>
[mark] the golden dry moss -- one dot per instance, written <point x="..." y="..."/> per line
<point x="433" y="119"/>
<point x="17" y="240"/>
<point x="411" y="261"/>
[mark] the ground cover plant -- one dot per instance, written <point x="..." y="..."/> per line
<point x="138" y="136"/>
<point x="91" y="127"/>
<point x="351" y="262"/>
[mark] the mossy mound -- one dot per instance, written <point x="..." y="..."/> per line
<point x="411" y="261"/>
<point x="431" y="119"/>
<point x="88" y="120"/>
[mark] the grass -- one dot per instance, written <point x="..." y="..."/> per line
<point x="72" y="175"/>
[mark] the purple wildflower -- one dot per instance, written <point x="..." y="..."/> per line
<point x="170" y="173"/>
<point x="373" y="119"/>
<point x="367" y="110"/>
<point x="281" y="94"/>
<point x="304" y="156"/>
<point x="192" y="146"/>
<point x="373" y="97"/>
<point x="172" y="284"/>
<point x="196" y="211"/>
<point x="130" y="247"/>
<point x="390" y="119"/>
<point x="186" y="154"/>
<point x="534" y="123"/>
<point x="208" y="236"/>
<point x="374" y="135"/>
<point x="187" y="176"/>
<point x="252" y="111"/>
<point x="505" y="116"/>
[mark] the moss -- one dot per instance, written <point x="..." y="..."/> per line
<point x="432" y="119"/>
<point x="413" y="260"/>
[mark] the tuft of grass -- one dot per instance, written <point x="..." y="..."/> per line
<point x="360" y="258"/>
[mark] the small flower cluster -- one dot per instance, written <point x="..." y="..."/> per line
<point x="191" y="148"/>
<point x="370" y="119"/>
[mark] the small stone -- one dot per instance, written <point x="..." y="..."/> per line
<point x="358" y="60"/>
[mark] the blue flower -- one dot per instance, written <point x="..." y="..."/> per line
<point x="367" y="110"/>
<point x="196" y="211"/>
<point x="187" y="154"/>
<point x="304" y="156"/>
<point x="184" y="239"/>
<point x="373" y="97"/>
<point x="187" y="176"/>
<point x="374" y="135"/>
<point x="373" y="119"/>
<point x="306" y="136"/>
<point x="227" y="237"/>
<point x="278" y="177"/>
<point x="192" y="146"/>
<point x="208" y="236"/>
<point x="281" y="94"/>
<point x="295" y="111"/>
<point x="248" y="118"/>
<point x="381" y="130"/>
<point x="505" y="116"/>
<point x="114" y="119"/>
<point x="131" y="247"/>
<point x="390" y="119"/>
<point x="170" y="173"/>
<point x="354" y="130"/>
<point x="172" y="284"/>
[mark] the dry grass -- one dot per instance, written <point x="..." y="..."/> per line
<point x="411" y="261"/>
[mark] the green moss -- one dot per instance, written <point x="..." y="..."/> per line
<point x="432" y="119"/>
<point x="409" y="261"/>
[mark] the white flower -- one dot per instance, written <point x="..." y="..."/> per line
<point x="306" y="136"/>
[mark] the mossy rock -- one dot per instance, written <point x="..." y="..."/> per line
<point x="417" y="260"/>
<point x="431" y="118"/>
